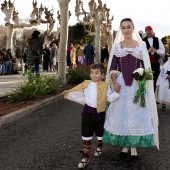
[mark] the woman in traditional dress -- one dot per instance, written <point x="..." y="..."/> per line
<point x="71" y="56"/>
<point x="81" y="59"/>
<point x="163" y="85"/>
<point x="128" y="124"/>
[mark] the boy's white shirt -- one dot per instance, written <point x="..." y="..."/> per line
<point x="89" y="95"/>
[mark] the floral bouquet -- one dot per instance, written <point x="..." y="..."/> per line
<point x="168" y="72"/>
<point x="141" y="75"/>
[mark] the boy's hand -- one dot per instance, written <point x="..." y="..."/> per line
<point x="64" y="92"/>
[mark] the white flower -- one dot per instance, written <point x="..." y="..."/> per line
<point x="140" y="71"/>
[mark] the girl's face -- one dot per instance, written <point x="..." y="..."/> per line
<point x="96" y="75"/>
<point x="127" y="29"/>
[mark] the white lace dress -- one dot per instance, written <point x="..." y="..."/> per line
<point x="128" y="124"/>
<point x="163" y="91"/>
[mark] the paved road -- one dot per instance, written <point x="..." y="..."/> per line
<point x="10" y="82"/>
<point x="50" y="139"/>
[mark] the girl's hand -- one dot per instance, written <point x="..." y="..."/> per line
<point x="117" y="87"/>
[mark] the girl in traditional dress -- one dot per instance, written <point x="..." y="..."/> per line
<point x="163" y="85"/>
<point x="128" y="124"/>
<point x="81" y="59"/>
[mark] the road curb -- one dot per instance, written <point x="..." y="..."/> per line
<point x="14" y="116"/>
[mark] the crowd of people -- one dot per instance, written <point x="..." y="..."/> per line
<point x="48" y="58"/>
<point x="8" y="63"/>
<point x="84" y="55"/>
<point x="34" y="54"/>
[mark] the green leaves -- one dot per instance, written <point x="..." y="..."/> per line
<point x="168" y="72"/>
<point x="35" y="87"/>
<point x="140" y="94"/>
<point x="137" y="76"/>
<point x="141" y="76"/>
<point x="78" y="75"/>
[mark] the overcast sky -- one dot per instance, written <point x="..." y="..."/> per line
<point x="142" y="12"/>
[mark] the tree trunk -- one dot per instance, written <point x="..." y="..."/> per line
<point x="110" y="42"/>
<point x="10" y="31"/>
<point x="63" y="4"/>
<point x="97" y="39"/>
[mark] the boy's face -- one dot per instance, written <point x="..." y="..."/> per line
<point x="96" y="75"/>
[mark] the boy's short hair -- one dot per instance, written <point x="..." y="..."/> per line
<point x="99" y="66"/>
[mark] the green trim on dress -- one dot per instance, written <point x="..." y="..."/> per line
<point x="136" y="141"/>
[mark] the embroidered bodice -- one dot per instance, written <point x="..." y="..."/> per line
<point x="126" y="60"/>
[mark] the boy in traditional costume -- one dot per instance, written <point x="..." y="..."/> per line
<point x="93" y="94"/>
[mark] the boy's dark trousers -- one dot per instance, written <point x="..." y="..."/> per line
<point x="92" y="122"/>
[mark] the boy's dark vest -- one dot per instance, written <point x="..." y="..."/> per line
<point x="155" y="45"/>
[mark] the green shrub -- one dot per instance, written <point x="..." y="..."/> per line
<point x="39" y="85"/>
<point x="78" y="75"/>
<point x="35" y="87"/>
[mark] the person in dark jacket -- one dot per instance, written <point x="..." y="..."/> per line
<point x="6" y="61"/>
<point x="89" y="54"/>
<point x="13" y="60"/>
<point x="104" y="54"/>
<point x="24" y="60"/>
<point x="33" y="57"/>
<point x="2" y="66"/>
<point x="155" y="49"/>
<point x="35" y="50"/>
<point x="46" y="57"/>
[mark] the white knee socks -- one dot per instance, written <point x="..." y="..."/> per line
<point x="125" y="149"/>
<point x="133" y="151"/>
